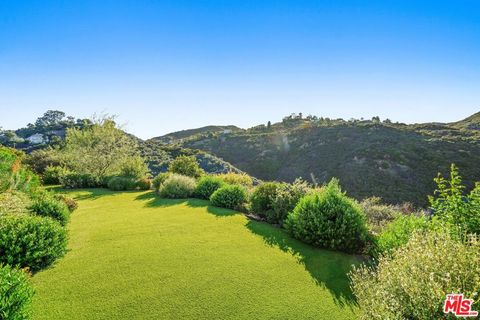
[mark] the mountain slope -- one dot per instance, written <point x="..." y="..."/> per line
<point x="394" y="161"/>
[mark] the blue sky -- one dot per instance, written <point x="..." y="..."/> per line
<point x="163" y="66"/>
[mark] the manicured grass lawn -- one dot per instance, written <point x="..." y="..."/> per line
<point x="134" y="256"/>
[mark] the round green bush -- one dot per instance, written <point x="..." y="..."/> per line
<point x="31" y="241"/>
<point x="178" y="187"/>
<point x="229" y="196"/>
<point x="287" y="197"/>
<point x="47" y="205"/>
<point x="329" y="219"/>
<point x="414" y="281"/>
<point x="263" y="197"/>
<point x="159" y="180"/>
<point x="121" y="183"/>
<point x="207" y="185"/>
<point x="16" y="294"/>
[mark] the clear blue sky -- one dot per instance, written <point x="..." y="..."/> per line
<point x="170" y="65"/>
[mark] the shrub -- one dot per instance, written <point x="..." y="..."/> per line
<point x="413" y="283"/>
<point x="241" y="179"/>
<point x="53" y="174"/>
<point x="378" y="215"/>
<point x="13" y="176"/>
<point x="329" y="219"/>
<point x="159" y="180"/>
<point x="286" y="198"/>
<point x="229" y="196"/>
<point x="398" y="232"/>
<point x="80" y="180"/>
<point x="47" y="205"/>
<point x="263" y="197"/>
<point x="14" y="202"/>
<point x="70" y="202"/>
<point x="453" y="207"/>
<point x="134" y="167"/>
<point x="31" y="241"/>
<point x="121" y="183"/>
<point x="16" y="294"/>
<point x="143" y="184"/>
<point x="207" y="185"/>
<point x="186" y="165"/>
<point x="178" y="187"/>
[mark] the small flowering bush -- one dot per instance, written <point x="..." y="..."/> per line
<point x="414" y="281"/>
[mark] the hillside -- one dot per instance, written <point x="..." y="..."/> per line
<point x="394" y="161"/>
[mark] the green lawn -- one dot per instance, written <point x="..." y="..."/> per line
<point x="134" y="256"/>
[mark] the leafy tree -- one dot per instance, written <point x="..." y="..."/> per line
<point x="452" y="206"/>
<point x="187" y="166"/>
<point x="100" y="149"/>
<point x="50" y="118"/>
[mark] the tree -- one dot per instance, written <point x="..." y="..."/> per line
<point x="99" y="149"/>
<point x="50" y="118"/>
<point x="186" y="165"/>
<point x="269" y="125"/>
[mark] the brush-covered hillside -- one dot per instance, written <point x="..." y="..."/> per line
<point x="392" y="160"/>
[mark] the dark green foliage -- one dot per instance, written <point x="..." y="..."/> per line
<point x="159" y="180"/>
<point x="392" y="161"/>
<point x="186" y="165"/>
<point x="287" y="197"/>
<point x="451" y="205"/>
<point x="80" y="180"/>
<point x="229" y="196"/>
<point x="398" y="232"/>
<point x="46" y="205"/>
<point x="207" y="185"/>
<point x="329" y="219"/>
<point x="263" y="197"/>
<point x="177" y="186"/>
<point x="31" y="241"/>
<point x="16" y="294"/>
<point x="53" y="174"/>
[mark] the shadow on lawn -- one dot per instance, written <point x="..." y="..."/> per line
<point x="329" y="269"/>
<point x="152" y="201"/>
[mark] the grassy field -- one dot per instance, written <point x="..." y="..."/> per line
<point x="134" y="256"/>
